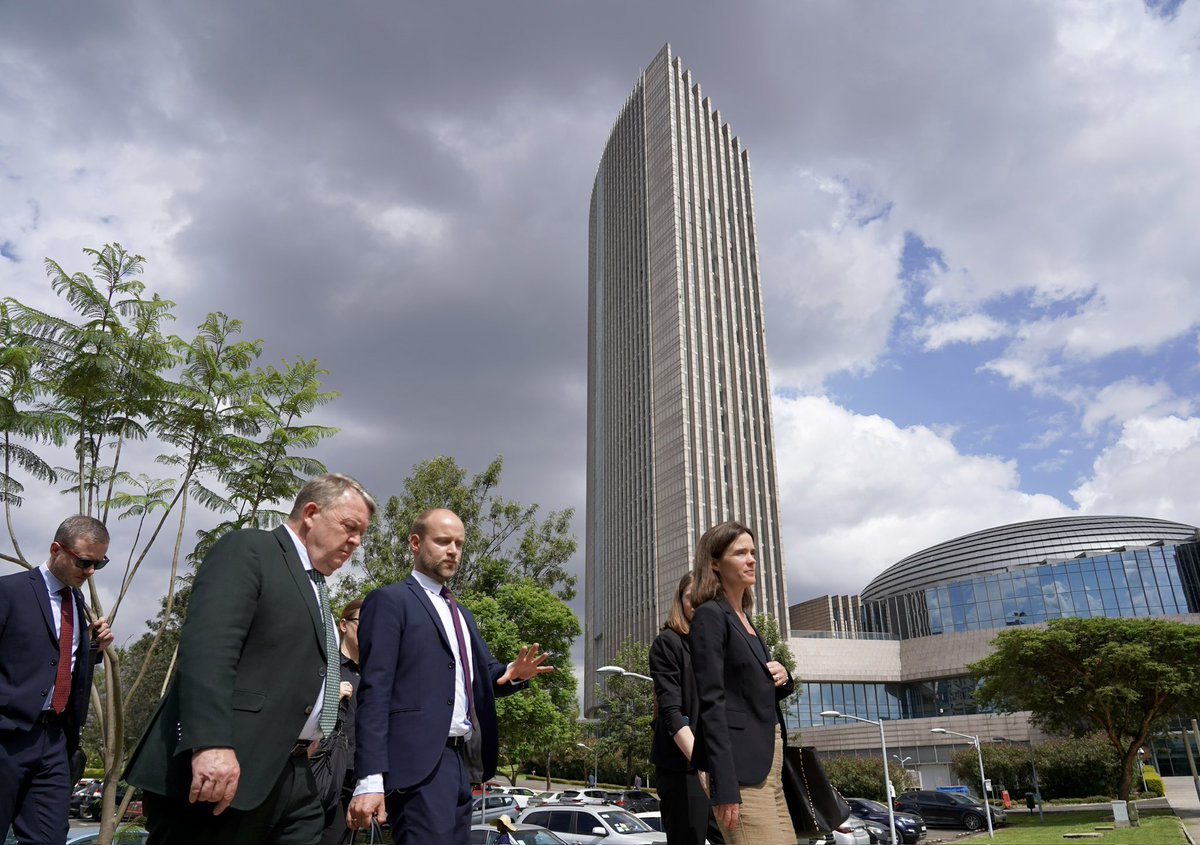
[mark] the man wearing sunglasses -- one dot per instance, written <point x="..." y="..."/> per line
<point x="46" y="662"/>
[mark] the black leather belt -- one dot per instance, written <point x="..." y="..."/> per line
<point x="300" y="749"/>
<point x="49" y="717"/>
<point x="456" y="741"/>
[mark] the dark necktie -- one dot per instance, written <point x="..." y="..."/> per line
<point x="333" y="660"/>
<point x="66" y="636"/>
<point x="463" y="659"/>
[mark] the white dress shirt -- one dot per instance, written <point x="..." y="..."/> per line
<point x="53" y="585"/>
<point x="312" y="728"/>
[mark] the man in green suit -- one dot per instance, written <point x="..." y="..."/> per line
<point x="225" y="758"/>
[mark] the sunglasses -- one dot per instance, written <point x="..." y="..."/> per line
<point x="85" y="563"/>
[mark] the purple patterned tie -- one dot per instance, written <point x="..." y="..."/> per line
<point x="462" y="650"/>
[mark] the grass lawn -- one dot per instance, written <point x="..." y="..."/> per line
<point x="1159" y="827"/>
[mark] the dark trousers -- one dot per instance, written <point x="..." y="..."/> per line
<point x="291" y="815"/>
<point x="685" y="809"/>
<point x="35" y="784"/>
<point x="437" y="810"/>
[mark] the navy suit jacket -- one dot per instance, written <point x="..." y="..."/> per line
<point x="675" y="692"/>
<point x="406" y="692"/>
<point x="739" y="710"/>
<point x="29" y="656"/>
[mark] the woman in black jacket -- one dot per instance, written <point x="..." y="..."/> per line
<point x="740" y="732"/>
<point x="684" y="805"/>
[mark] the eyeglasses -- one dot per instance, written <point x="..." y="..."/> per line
<point x="85" y="563"/>
<point x="351" y="619"/>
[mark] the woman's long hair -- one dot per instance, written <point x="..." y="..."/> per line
<point x="677" y="619"/>
<point x="712" y="545"/>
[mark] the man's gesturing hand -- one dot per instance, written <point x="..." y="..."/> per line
<point x="215" y="774"/>
<point x="527" y="664"/>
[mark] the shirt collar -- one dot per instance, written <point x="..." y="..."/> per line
<point x="53" y="585"/>
<point x="300" y="549"/>
<point x="427" y="583"/>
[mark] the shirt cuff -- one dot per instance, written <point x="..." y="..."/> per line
<point x="370" y="785"/>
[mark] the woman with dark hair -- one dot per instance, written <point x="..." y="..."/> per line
<point x="740" y="734"/>
<point x="684" y="805"/>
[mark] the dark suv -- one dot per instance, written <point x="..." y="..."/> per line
<point x="948" y="809"/>
<point x="909" y="827"/>
<point x="635" y="801"/>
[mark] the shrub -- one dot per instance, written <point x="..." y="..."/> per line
<point x="861" y="777"/>
<point x="1154" y="782"/>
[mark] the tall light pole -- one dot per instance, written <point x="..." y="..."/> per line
<point x="1037" y="790"/>
<point x="987" y="808"/>
<point x="621" y="672"/>
<point x="595" y="771"/>
<point x="887" y="779"/>
<point x="904" y="768"/>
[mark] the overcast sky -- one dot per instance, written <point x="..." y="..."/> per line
<point x="977" y="224"/>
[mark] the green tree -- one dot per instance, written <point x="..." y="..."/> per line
<point x="1123" y="677"/>
<point x="536" y="723"/>
<point x="504" y="539"/>
<point x="862" y="777"/>
<point x="100" y="383"/>
<point x="626" y="712"/>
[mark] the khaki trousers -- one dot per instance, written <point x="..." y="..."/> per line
<point x="763" y="818"/>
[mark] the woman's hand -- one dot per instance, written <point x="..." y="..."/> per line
<point x="727" y="814"/>
<point x="779" y="672"/>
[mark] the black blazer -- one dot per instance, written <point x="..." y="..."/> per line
<point x="675" y="692"/>
<point x="739" y="702"/>
<point x="29" y="656"/>
<point x="251" y="662"/>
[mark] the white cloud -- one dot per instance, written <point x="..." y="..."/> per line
<point x="833" y="287"/>
<point x="973" y="328"/>
<point x="858" y="493"/>
<point x="1150" y="471"/>
<point x="1130" y="398"/>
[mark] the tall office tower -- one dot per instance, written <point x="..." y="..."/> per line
<point x="679" y="413"/>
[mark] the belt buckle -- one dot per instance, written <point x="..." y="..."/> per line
<point x="300" y="749"/>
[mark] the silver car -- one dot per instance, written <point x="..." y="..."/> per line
<point x="486" y="808"/>
<point x="589" y="824"/>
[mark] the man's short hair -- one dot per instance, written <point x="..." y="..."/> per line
<point x="421" y="523"/>
<point x="80" y="527"/>
<point x="326" y="489"/>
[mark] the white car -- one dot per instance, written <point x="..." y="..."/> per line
<point x="587" y="824"/>
<point x="853" y="831"/>
<point x="654" y="819"/>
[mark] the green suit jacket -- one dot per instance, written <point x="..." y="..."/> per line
<point x="251" y="664"/>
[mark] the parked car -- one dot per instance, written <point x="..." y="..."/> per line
<point x="122" y="836"/>
<point x="910" y="828"/>
<point x="948" y="809"/>
<point x="594" y="796"/>
<point x="485" y="808"/>
<point x="654" y="819"/>
<point x="526" y="834"/>
<point x="564" y="796"/>
<point x="586" y="823"/>
<point x="636" y="801"/>
<point x="853" y="831"/>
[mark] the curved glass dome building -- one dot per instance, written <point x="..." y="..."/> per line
<point x="904" y="659"/>
<point x="1035" y="571"/>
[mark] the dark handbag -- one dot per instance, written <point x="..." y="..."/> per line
<point x="329" y="764"/>
<point x="813" y="803"/>
<point x="372" y="835"/>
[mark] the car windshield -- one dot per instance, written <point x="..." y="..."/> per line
<point x="623" y="822"/>
<point x="959" y="798"/>
<point x="871" y="806"/>
<point x="536" y="837"/>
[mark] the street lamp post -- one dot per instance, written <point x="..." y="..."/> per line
<point x="887" y="780"/>
<point x="595" y="770"/>
<point x="1037" y="789"/>
<point x="904" y="768"/>
<point x="622" y="672"/>
<point x="987" y="808"/>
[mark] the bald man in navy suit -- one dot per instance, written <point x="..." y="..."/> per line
<point x="46" y="662"/>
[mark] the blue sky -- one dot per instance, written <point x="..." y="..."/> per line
<point x="976" y="227"/>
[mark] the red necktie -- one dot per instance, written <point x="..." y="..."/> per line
<point x="463" y="658"/>
<point x="62" y="681"/>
